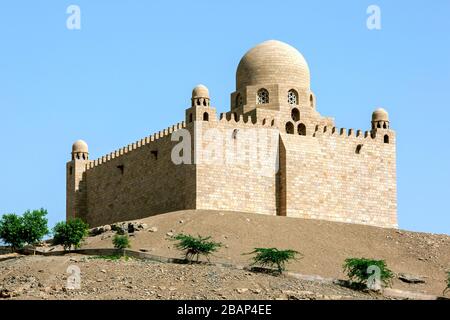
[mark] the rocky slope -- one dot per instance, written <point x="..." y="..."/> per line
<point x="420" y="259"/>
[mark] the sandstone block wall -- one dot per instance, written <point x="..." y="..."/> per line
<point x="327" y="177"/>
<point x="136" y="182"/>
<point x="238" y="171"/>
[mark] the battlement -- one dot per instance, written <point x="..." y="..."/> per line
<point x="351" y="133"/>
<point x="247" y="120"/>
<point x="135" y="145"/>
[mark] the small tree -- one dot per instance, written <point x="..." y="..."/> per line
<point x="196" y="246"/>
<point x="11" y="231"/>
<point x="121" y="242"/>
<point x="34" y="226"/>
<point x="362" y="270"/>
<point x="70" y="233"/>
<point x="271" y="257"/>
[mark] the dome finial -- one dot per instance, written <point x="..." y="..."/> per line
<point x="200" y="96"/>
<point x="380" y="119"/>
<point x="80" y="150"/>
<point x="200" y="91"/>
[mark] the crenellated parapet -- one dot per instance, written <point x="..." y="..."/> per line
<point x="135" y="145"/>
<point x="246" y="120"/>
<point x="357" y="134"/>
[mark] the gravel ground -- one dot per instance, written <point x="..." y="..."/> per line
<point x="38" y="277"/>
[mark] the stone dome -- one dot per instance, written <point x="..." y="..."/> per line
<point x="380" y="115"/>
<point x="273" y="62"/>
<point x="80" y="147"/>
<point x="200" y="91"/>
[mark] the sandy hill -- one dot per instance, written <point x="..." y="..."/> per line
<point x="325" y="245"/>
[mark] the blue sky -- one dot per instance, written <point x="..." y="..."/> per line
<point x="130" y="70"/>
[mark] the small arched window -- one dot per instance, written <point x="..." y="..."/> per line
<point x="358" y="148"/>
<point x="205" y="103"/>
<point x="190" y="117"/>
<point x="295" y="114"/>
<point x="386" y="138"/>
<point x="301" y="129"/>
<point x="292" y="97"/>
<point x="311" y="101"/>
<point x="239" y="101"/>
<point x="262" y="96"/>
<point x="206" y="116"/>
<point x="290" y="128"/>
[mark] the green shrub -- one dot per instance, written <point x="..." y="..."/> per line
<point x="196" y="246"/>
<point x="273" y="257"/>
<point x="121" y="242"/>
<point x="34" y="226"/>
<point x="358" y="271"/>
<point x="11" y="231"/>
<point x="70" y="233"/>
<point x="448" y="283"/>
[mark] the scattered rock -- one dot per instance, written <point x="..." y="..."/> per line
<point x="153" y="229"/>
<point x="6" y="293"/>
<point x="241" y="290"/>
<point x="170" y="234"/>
<point x="409" y="278"/>
<point x="99" y="230"/>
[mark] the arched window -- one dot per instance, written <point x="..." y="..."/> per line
<point x="311" y="100"/>
<point x="262" y="97"/>
<point x="206" y="116"/>
<point x="190" y="117"/>
<point x="386" y="138"/>
<point x="292" y="97"/>
<point x="295" y="114"/>
<point x="290" y="128"/>
<point x="239" y="101"/>
<point x="204" y="103"/>
<point x="301" y="129"/>
<point x="384" y="125"/>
